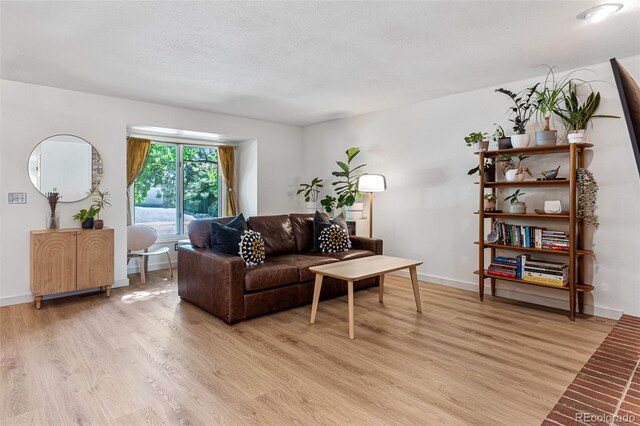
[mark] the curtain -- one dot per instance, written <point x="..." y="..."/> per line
<point x="137" y="151"/>
<point x="227" y="164"/>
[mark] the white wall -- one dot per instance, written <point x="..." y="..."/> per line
<point x="30" y="113"/>
<point x="426" y="213"/>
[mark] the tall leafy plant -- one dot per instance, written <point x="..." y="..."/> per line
<point x="310" y="191"/>
<point x="577" y="114"/>
<point x="346" y="186"/>
<point x="525" y="106"/>
<point x="550" y="97"/>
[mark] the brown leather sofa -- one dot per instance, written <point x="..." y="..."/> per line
<point x="221" y="284"/>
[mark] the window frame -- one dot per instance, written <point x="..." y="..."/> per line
<point x="180" y="226"/>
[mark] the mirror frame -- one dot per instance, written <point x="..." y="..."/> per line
<point x="75" y="136"/>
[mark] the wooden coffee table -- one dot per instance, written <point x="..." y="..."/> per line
<point x="359" y="269"/>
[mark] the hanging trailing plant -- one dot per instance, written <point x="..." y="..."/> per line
<point x="587" y="196"/>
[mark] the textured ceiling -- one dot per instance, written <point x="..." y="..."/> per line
<point x="300" y="62"/>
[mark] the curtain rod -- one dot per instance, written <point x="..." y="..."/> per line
<point x="183" y="141"/>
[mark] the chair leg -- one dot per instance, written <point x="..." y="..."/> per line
<point x="142" y="262"/>
<point x="170" y="266"/>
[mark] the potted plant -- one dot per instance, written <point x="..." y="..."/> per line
<point x="513" y="172"/>
<point x="516" y="206"/>
<point x="311" y="192"/>
<point x="100" y="201"/>
<point x="577" y="115"/>
<point x="347" y="187"/>
<point x="53" y="218"/>
<point x="86" y="217"/>
<point x="490" y="202"/>
<point x="489" y="170"/>
<point x="329" y="203"/>
<point x="548" y="100"/>
<point x="503" y="141"/>
<point x="480" y="139"/>
<point x="524" y="107"/>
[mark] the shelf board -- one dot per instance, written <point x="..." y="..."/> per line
<point x="536" y="150"/>
<point x="536" y="250"/>
<point x="527" y="216"/>
<point x="579" y="287"/>
<point x="525" y="183"/>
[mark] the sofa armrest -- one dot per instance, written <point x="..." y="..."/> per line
<point x="212" y="281"/>
<point x="364" y="243"/>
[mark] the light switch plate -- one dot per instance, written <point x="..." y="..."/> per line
<point x="17" y="198"/>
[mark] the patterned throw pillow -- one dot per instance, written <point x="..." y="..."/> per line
<point x="334" y="239"/>
<point x="252" y="248"/>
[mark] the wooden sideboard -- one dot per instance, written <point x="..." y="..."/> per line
<point x="71" y="259"/>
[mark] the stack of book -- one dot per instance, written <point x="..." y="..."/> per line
<point x="544" y="272"/>
<point x="555" y="240"/>
<point x="503" y="267"/>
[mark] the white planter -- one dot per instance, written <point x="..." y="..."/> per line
<point x="513" y="176"/>
<point x="576" y="136"/>
<point x="311" y="206"/>
<point x="354" y="212"/>
<point x="518" y="208"/>
<point x="520" y="141"/>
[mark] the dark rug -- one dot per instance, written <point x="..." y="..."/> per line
<point x="607" y="389"/>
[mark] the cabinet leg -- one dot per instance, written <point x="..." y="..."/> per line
<point x="581" y="302"/>
<point x="38" y="301"/>
<point x="108" y="290"/>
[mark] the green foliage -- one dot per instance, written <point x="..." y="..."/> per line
<point x="524" y="107"/>
<point x="490" y="197"/>
<point x="100" y="200"/>
<point x="551" y="96"/>
<point x="575" y="114"/>
<point x="513" y="198"/>
<point x="507" y="163"/>
<point x="475" y="137"/>
<point x="488" y="164"/>
<point x="86" y="214"/>
<point x="498" y="133"/>
<point x="310" y="190"/>
<point x="347" y="187"/>
<point x="329" y="203"/>
<point x="200" y="167"/>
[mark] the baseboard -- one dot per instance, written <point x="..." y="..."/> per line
<point x="135" y="268"/>
<point x="28" y="298"/>
<point x="599" y="311"/>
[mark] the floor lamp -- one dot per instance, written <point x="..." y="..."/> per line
<point x="371" y="184"/>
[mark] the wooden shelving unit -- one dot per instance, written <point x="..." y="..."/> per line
<point x="576" y="226"/>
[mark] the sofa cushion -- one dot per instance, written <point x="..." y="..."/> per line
<point x="277" y="233"/>
<point x="199" y="231"/>
<point x="303" y="262"/>
<point x="226" y="238"/>
<point x="320" y="223"/>
<point x="274" y="272"/>
<point x="302" y="224"/>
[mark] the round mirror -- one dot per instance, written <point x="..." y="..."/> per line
<point x="65" y="164"/>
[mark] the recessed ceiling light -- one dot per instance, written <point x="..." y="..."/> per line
<point x="600" y="12"/>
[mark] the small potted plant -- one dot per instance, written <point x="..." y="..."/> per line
<point x="329" y="203"/>
<point x="480" y="139"/>
<point x="100" y="201"/>
<point x="311" y="192"/>
<point x="86" y="217"/>
<point x="577" y="115"/>
<point x="503" y="141"/>
<point x="490" y="202"/>
<point x="548" y="100"/>
<point x="53" y="218"/>
<point x="489" y="170"/>
<point x="516" y="206"/>
<point x="513" y="169"/>
<point x="522" y="111"/>
<point x="347" y="187"/>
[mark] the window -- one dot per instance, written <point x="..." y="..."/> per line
<point x="179" y="183"/>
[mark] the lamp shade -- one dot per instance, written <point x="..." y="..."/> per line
<point x="372" y="183"/>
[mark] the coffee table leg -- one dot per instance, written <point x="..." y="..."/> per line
<point x="416" y="289"/>
<point x="350" y="290"/>
<point x="316" y="297"/>
<point x="381" y="289"/>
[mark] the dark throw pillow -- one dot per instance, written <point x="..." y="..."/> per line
<point x="226" y="238"/>
<point x="320" y="223"/>
<point x="251" y="248"/>
<point x="334" y="239"/>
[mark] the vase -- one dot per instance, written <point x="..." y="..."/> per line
<point x="518" y="208"/>
<point x="482" y="146"/>
<point x="513" y="175"/>
<point x="52" y="220"/>
<point x="504" y="143"/>
<point x="520" y="141"/>
<point x="87" y="224"/>
<point x="489" y="205"/>
<point x="546" y="137"/>
<point x="311" y="206"/>
<point x="490" y="174"/>
<point x="98" y="224"/>
<point x="354" y="212"/>
<point x="576" y="136"/>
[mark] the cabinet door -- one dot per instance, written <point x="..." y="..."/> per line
<point x="53" y="262"/>
<point x="95" y="258"/>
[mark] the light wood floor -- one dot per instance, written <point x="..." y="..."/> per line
<point x="145" y="357"/>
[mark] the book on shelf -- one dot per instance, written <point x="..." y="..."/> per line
<point x="524" y="268"/>
<point x="531" y="237"/>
